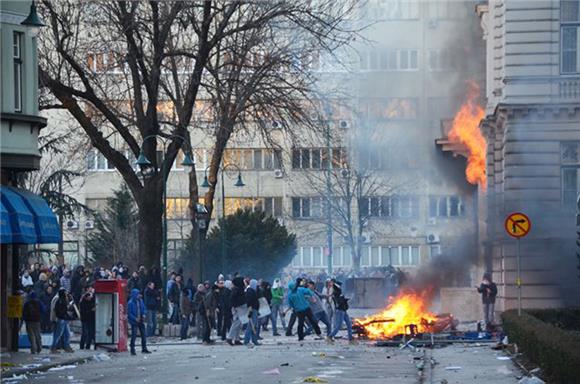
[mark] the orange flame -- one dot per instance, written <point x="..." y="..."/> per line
<point x="408" y="307"/>
<point x="465" y="131"/>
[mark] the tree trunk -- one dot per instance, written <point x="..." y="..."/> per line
<point x="151" y="224"/>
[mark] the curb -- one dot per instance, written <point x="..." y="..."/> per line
<point x="25" y="371"/>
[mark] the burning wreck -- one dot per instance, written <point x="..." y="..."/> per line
<point x="407" y="314"/>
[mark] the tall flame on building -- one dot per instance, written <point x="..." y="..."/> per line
<point x="465" y="131"/>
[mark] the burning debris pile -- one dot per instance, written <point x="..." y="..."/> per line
<point x="407" y="314"/>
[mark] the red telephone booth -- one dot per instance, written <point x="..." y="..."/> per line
<point x="111" y="314"/>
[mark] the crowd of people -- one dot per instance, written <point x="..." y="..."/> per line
<point x="237" y="309"/>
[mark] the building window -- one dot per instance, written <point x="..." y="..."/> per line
<point x="96" y="161"/>
<point x="253" y="159"/>
<point x="177" y="208"/>
<point x="306" y="207"/>
<point x="17" y="58"/>
<point x="270" y="205"/>
<point x="317" y="158"/>
<point x="70" y="251"/>
<point x="174" y="248"/>
<point x="400" y="206"/>
<point x="570" y="27"/>
<point x="389" y="60"/>
<point x="570" y="157"/>
<point x="446" y="206"/>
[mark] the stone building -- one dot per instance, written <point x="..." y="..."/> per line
<point x="533" y="132"/>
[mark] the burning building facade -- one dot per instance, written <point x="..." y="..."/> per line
<point x="532" y="127"/>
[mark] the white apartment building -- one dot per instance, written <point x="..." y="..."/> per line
<point x="404" y="81"/>
<point x="533" y="132"/>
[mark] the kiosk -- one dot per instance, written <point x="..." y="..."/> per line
<point x="111" y="314"/>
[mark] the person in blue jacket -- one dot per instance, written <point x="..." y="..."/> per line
<point x="136" y="313"/>
<point x="298" y="301"/>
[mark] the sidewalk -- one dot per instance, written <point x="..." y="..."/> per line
<point x="23" y="362"/>
<point x="474" y="364"/>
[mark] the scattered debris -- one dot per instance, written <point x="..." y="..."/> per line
<point x="503" y="358"/>
<point x="531" y="380"/>
<point x="274" y="371"/>
<point x="284" y="364"/>
<point x="536" y="370"/>
<point x="62" y="367"/>
<point x="444" y="381"/>
<point x="453" y="368"/>
<point x="314" y="379"/>
<point x="101" y="357"/>
<point x="17" y="377"/>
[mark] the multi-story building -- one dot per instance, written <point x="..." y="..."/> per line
<point x="402" y="82"/>
<point x="26" y="218"/>
<point x="533" y="132"/>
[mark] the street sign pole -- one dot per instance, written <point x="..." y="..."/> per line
<point x="518" y="225"/>
<point x="519" y="277"/>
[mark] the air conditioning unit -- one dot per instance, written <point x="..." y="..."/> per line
<point x="365" y="238"/>
<point x="278" y="173"/>
<point x="71" y="224"/>
<point x="276" y="124"/>
<point x="433" y="238"/>
<point x="433" y="23"/>
<point x="89" y="224"/>
<point x="344" y="124"/>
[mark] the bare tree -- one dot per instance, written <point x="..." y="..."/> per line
<point x="119" y="67"/>
<point x="358" y="187"/>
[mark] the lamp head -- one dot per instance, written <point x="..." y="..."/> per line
<point x="188" y="161"/>
<point x="239" y="183"/>
<point x="205" y="183"/>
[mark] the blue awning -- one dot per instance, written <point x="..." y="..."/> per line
<point x="31" y="219"/>
<point x="5" y="228"/>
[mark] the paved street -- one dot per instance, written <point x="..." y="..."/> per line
<point x="284" y="360"/>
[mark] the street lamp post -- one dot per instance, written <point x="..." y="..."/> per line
<point x="328" y="191"/>
<point x="147" y="170"/>
<point x="239" y="183"/>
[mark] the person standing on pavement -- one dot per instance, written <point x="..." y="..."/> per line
<point x="151" y="300"/>
<point x="327" y="299"/>
<point x="226" y="309"/>
<point x="340" y="315"/>
<point x="31" y="314"/>
<point x="87" y="309"/>
<point x="185" y="306"/>
<point x="253" y="304"/>
<point x="488" y="290"/>
<point x="211" y="305"/>
<point x="63" y="316"/>
<point x="173" y="297"/>
<point x="239" y="309"/>
<point x="198" y="299"/>
<point x="298" y="301"/>
<point x="46" y="298"/>
<point x="205" y="326"/>
<point x="136" y="314"/>
<point x="277" y="300"/>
